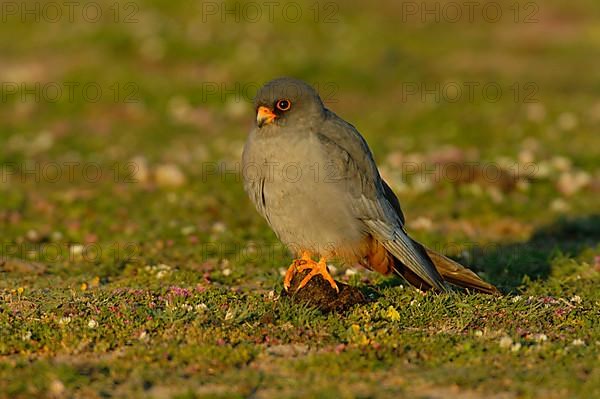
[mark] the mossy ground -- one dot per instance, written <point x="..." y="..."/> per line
<point x="144" y="271"/>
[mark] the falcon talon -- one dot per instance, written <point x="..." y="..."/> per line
<point x="289" y="275"/>
<point x="355" y="217"/>
<point x="294" y="268"/>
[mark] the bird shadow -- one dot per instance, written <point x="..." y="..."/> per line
<point x="507" y="265"/>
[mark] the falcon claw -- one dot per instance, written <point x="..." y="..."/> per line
<point x="293" y="269"/>
<point x="289" y="276"/>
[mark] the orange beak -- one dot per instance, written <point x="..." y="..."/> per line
<point x="264" y="116"/>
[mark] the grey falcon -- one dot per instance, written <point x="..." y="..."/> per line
<point x="313" y="178"/>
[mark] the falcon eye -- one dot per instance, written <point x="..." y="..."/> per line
<point x="283" y="105"/>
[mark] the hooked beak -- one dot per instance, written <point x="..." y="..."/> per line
<point x="264" y="116"/>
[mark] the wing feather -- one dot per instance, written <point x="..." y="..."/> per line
<point x="373" y="201"/>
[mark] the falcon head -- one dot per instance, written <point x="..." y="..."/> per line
<point x="285" y="100"/>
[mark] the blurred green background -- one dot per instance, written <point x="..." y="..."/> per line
<point x="121" y="130"/>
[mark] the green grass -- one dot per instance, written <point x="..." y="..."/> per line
<point x="116" y="285"/>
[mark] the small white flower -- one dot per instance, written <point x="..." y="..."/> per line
<point x="540" y="337"/>
<point x="64" y="320"/>
<point x="578" y="342"/>
<point x="567" y="121"/>
<point x="516" y="298"/>
<point x="251" y="248"/>
<point x="536" y="112"/>
<point x="187" y="230"/>
<point x="350" y="272"/>
<point x="559" y="205"/>
<point x="515" y="347"/>
<point x="26" y="336"/>
<point x="92" y="323"/>
<point x="76" y="250"/>
<point x="169" y="176"/>
<point x="226" y="272"/>
<point x="187" y="307"/>
<point x="478" y="333"/>
<point x="56" y="236"/>
<point x="506" y="342"/>
<point x="161" y="274"/>
<point x="163" y="267"/>
<point x="57" y="388"/>
<point x="160" y="270"/>
<point x="201" y="307"/>
<point x="219" y="227"/>
<point x="32" y="235"/>
<point x="576" y="299"/>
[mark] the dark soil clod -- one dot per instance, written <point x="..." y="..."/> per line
<point x="320" y="294"/>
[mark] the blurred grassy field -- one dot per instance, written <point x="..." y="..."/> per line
<point x="133" y="265"/>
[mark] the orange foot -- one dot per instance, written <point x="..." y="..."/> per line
<point x="306" y="263"/>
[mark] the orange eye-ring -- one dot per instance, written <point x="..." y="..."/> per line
<point x="283" y="105"/>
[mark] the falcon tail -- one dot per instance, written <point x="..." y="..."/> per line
<point x="451" y="271"/>
<point x="455" y="273"/>
<point x="381" y="260"/>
